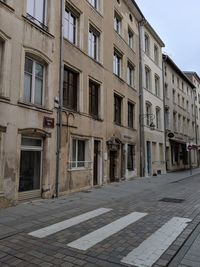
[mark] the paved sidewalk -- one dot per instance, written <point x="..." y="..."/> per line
<point x="139" y="196"/>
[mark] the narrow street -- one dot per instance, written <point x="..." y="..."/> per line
<point x="144" y="222"/>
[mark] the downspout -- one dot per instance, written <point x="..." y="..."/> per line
<point x="141" y="100"/>
<point x="195" y="125"/>
<point x="60" y="104"/>
<point x="165" y="137"/>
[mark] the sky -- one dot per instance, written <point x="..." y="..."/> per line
<point x="177" y="22"/>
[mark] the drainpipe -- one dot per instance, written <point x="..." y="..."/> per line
<point x="195" y="125"/>
<point x="59" y="110"/>
<point x="165" y="137"/>
<point x="141" y="100"/>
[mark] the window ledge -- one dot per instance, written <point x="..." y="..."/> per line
<point x="79" y="169"/>
<point x="96" y="61"/>
<point x="4" y="98"/>
<point x="9" y="8"/>
<point x="118" y="77"/>
<point x="32" y="23"/>
<point x="96" y="10"/>
<point x="34" y="107"/>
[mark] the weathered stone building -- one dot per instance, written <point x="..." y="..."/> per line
<point x="152" y="108"/>
<point x="180" y="120"/>
<point x="29" y="78"/>
<point x="69" y="104"/>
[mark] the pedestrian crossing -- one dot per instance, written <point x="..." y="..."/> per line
<point x="145" y="255"/>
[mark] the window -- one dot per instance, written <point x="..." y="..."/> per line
<point x="157" y="86"/>
<point x="131" y="109"/>
<point x="117" y="63"/>
<point x="183" y="102"/>
<point x="167" y="117"/>
<point x="182" y="86"/>
<point x="93" y="43"/>
<point x="178" y="82"/>
<point x="148" y="114"/>
<point x="147" y="79"/>
<point x="130" y="38"/>
<point x="178" y="99"/>
<point x="174" y="96"/>
<point x="130" y="157"/>
<point x="33" y="81"/>
<point x="70" y="89"/>
<point x="1" y="58"/>
<point x="95" y="4"/>
<point x="179" y="123"/>
<point x="187" y="106"/>
<point x="93" y="98"/>
<point x="117" y="23"/>
<point x="166" y="91"/>
<point x="172" y="78"/>
<point x="130" y="74"/>
<point x="117" y="109"/>
<point x="70" y="26"/>
<point x="174" y="121"/>
<point x="36" y="9"/>
<point x="156" y="54"/>
<point x="146" y="44"/>
<point x="158" y="118"/>
<point x="78" y="153"/>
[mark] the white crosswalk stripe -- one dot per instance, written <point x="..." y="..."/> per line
<point x="102" y="233"/>
<point x="57" y="227"/>
<point x="153" y="247"/>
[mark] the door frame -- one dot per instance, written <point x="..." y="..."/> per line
<point x="32" y="193"/>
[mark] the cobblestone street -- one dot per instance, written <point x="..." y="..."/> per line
<point x="143" y="222"/>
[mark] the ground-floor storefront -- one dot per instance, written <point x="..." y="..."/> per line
<point x="178" y="157"/>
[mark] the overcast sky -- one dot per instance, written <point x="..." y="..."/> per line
<point x="177" y="22"/>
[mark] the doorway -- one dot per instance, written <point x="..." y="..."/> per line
<point x="113" y="157"/>
<point x="30" y="168"/>
<point x="96" y="162"/>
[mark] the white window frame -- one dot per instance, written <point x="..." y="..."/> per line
<point x="130" y="38"/>
<point x="117" y="64"/>
<point x="117" y="23"/>
<point x="67" y="16"/>
<point x="76" y="162"/>
<point x="95" y="4"/>
<point x="146" y="43"/>
<point x="33" y="12"/>
<point x="92" y="48"/>
<point x="32" y="100"/>
<point x="147" y="78"/>
<point x="130" y="74"/>
<point x="157" y="85"/>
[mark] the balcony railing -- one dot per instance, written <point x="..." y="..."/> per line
<point x="39" y="23"/>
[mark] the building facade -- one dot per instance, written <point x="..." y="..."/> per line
<point x="69" y="95"/>
<point x="29" y="40"/>
<point x="180" y="118"/>
<point x="152" y="110"/>
<point x="101" y="102"/>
